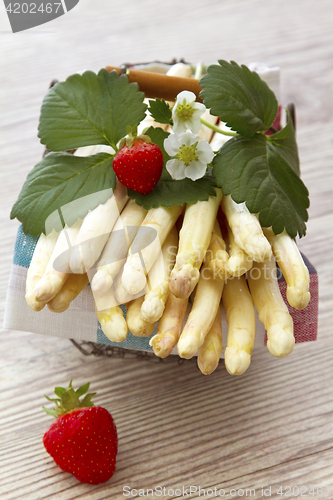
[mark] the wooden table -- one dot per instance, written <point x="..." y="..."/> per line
<point x="271" y="427"/>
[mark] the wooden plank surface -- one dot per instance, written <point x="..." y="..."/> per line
<point x="270" y="427"/>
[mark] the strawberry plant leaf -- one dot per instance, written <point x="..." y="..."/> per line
<point x="86" y="401"/>
<point x="160" y="111"/>
<point x="239" y="97"/>
<point x="52" y="413"/>
<point x="90" y="109"/>
<point x="260" y="173"/>
<point x="169" y="192"/>
<point x="69" y="400"/>
<point x="285" y="143"/>
<point x="59" y="391"/>
<point x="82" y="390"/>
<point x="56" y="181"/>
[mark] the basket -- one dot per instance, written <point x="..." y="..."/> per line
<point x="79" y="322"/>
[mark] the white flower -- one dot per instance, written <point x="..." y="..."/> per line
<point x="186" y="113"/>
<point x="190" y="156"/>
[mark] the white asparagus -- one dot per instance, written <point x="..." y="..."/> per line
<point x="95" y="231"/>
<point x="292" y="266"/>
<point x="212" y="347"/>
<point x="169" y="326"/>
<point x="116" y="249"/>
<point x="216" y="256"/>
<point x="194" y="239"/>
<point x="239" y="262"/>
<point x="41" y="256"/>
<point x="154" y="302"/>
<point x="273" y="312"/>
<point x="241" y="321"/>
<point x="57" y="269"/>
<point x="113" y="323"/>
<point x="201" y="318"/>
<point x="136" y="325"/>
<point x="246" y="229"/>
<point x="162" y="221"/>
<point x="74" y="285"/>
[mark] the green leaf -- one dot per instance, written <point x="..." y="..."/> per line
<point x="56" y="181"/>
<point x="257" y="172"/>
<point x="82" y="390"/>
<point x="53" y="413"/>
<point x="90" y="109"/>
<point x="285" y="143"/>
<point x="86" y="401"/>
<point x="169" y="192"/>
<point x="69" y="400"/>
<point x="239" y="97"/>
<point x="59" y="391"/>
<point x="160" y="111"/>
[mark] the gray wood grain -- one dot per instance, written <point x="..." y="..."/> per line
<point x="270" y="427"/>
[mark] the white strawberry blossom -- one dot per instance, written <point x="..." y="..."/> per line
<point x="186" y="113"/>
<point x="190" y="156"/>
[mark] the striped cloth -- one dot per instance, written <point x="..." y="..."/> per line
<point x="79" y="322"/>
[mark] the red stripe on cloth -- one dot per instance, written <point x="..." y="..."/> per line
<point x="305" y="321"/>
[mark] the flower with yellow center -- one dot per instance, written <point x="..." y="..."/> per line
<point x="190" y="156"/>
<point x="186" y="113"/>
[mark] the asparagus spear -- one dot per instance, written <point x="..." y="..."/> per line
<point x="54" y="278"/>
<point x="154" y="302"/>
<point x="204" y="309"/>
<point x="162" y="220"/>
<point x="169" y="326"/>
<point x="117" y="246"/>
<point x="210" y="351"/>
<point x="292" y="266"/>
<point x="273" y="312"/>
<point x="41" y="256"/>
<point x="246" y="230"/>
<point x="239" y="262"/>
<point x="74" y="285"/>
<point x="113" y="323"/>
<point x="194" y="239"/>
<point x="217" y="257"/>
<point x="241" y="321"/>
<point x="95" y="231"/>
<point x="136" y="325"/>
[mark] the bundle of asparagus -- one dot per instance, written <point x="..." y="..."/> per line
<point x="175" y="261"/>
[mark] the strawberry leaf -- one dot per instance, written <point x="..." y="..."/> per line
<point x="285" y="143"/>
<point x="59" y="391"/>
<point x="160" y="111"/>
<point x="90" y="109"/>
<point x="52" y="413"/>
<point x="239" y="97"/>
<point x="169" y="192"/>
<point x="260" y="172"/>
<point x="56" y="181"/>
<point x="158" y="135"/>
<point x="86" y="401"/>
<point x="82" y="390"/>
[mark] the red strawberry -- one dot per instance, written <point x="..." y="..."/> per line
<point x="138" y="164"/>
<point x="83" y="438"/>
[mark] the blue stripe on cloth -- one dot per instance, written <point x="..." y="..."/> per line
<point x="24" y="248"/>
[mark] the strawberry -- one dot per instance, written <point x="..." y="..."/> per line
<point x="83" y="438"/>
<point x="138" y="164"/>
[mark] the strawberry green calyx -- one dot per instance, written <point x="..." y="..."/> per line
<point x="69" y="399"/>
<point x="132" y="138"/>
